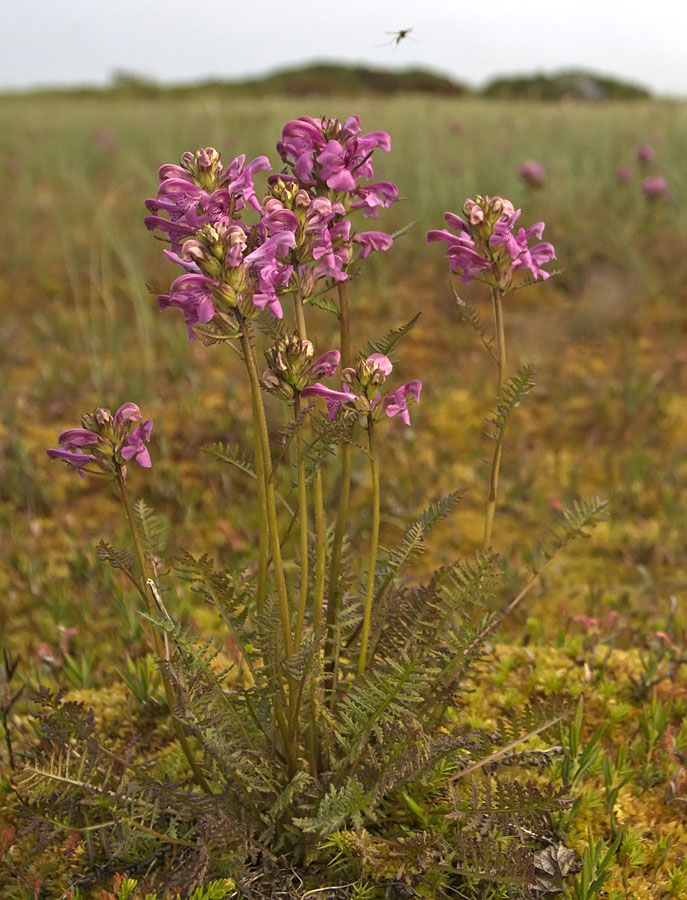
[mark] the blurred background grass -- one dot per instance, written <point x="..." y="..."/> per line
<point x="81" y="328"/>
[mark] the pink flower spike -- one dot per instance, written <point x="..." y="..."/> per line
<point x="396" y="403"/>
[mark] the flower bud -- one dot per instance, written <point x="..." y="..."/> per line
<point x="203" y="166"/>
<point x="274" y="383"/>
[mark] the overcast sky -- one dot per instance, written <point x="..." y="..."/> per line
<point x="66" y="42"/>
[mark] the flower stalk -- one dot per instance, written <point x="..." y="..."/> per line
<point x="497" y="299"/>
<point x="374" y="547"/>
<point x="270" y="513"/>
<point x="147" y="572"/>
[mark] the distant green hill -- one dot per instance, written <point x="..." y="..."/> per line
<point x="326" y="79"/>
<point x="576" y="84"/>
<point x="334" y="78"/>
<point x="316" y="79"/>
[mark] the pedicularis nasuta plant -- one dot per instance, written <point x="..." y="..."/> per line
<point x="335" y="747"/>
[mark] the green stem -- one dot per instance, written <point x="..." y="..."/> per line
<point x="320" y="559"/>
<point x="262" y="437"/>
<point x="497" y="298"/>
<point x="320" y="552"/>
<point x="374" y="546"/>
<point x="270" y="508"/>
<point x="263" y="550"/>
<point x="331" y="649"/>
<point x="303" y="525"/>
<point x="147" y="572"/>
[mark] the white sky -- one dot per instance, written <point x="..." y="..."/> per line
<point x="65" y="42"/>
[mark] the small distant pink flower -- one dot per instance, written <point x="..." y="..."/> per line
<point x="666" y="638"/>
<point x="655" y="187"/>
<point x="645" y="154"/>
<point x="106" y="139"/>
<point x="623" y="174"/>
<point x="532" y="173"/>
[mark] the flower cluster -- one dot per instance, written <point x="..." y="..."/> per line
<point x="292" y="368"/>
<point x="360" y="390"/>
<point x="487" y="246"/>
<point x="301" y="232"/>
<point x="107" y="442"/>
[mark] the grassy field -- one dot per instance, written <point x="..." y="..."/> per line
<point x="609" y="415"/>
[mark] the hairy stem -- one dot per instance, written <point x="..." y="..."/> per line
<point x="146" y="572"/>
<point x="263" y="538"/>
<point x="374" y="546"/>
<point x="303" y="525"/>
<point x="262" y="436"/>
<point x="320" y="561"/>
<point x="497" y="298"/>
<point x="334" y="593"/>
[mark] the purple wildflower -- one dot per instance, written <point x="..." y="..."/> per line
<point x="338" y="155"/>
<point x="462" y="253"/>
<point x="134" y="446"/>
<point x="375" y="196"/>
<point x="192" y="295"/>
<point x="372" y="240"/>
<point x="379" y="362"/>
<point x="327" y="364"/>
<point x="334" y="399"/>
<point x="396" y="403"/>
<point x="110" y="439"/>
<point x="488" y="248"/>
<point x="127" y="412"/>
<point x="74" y="458"/>
<point x="74" y="438"/>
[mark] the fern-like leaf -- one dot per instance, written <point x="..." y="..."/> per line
<point x="514" y="391"/>
<point x="493" y="802"/>
<point x="233" y="455"/>
<point x="470" y="316"/>
<point x="118" y="559"/>
<point x="576" y="520"/>
<point x="152" y="528"/>
<point x="337" y="807"/>
<point x="412" y="544"/>
<point x="386" y="343"/>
